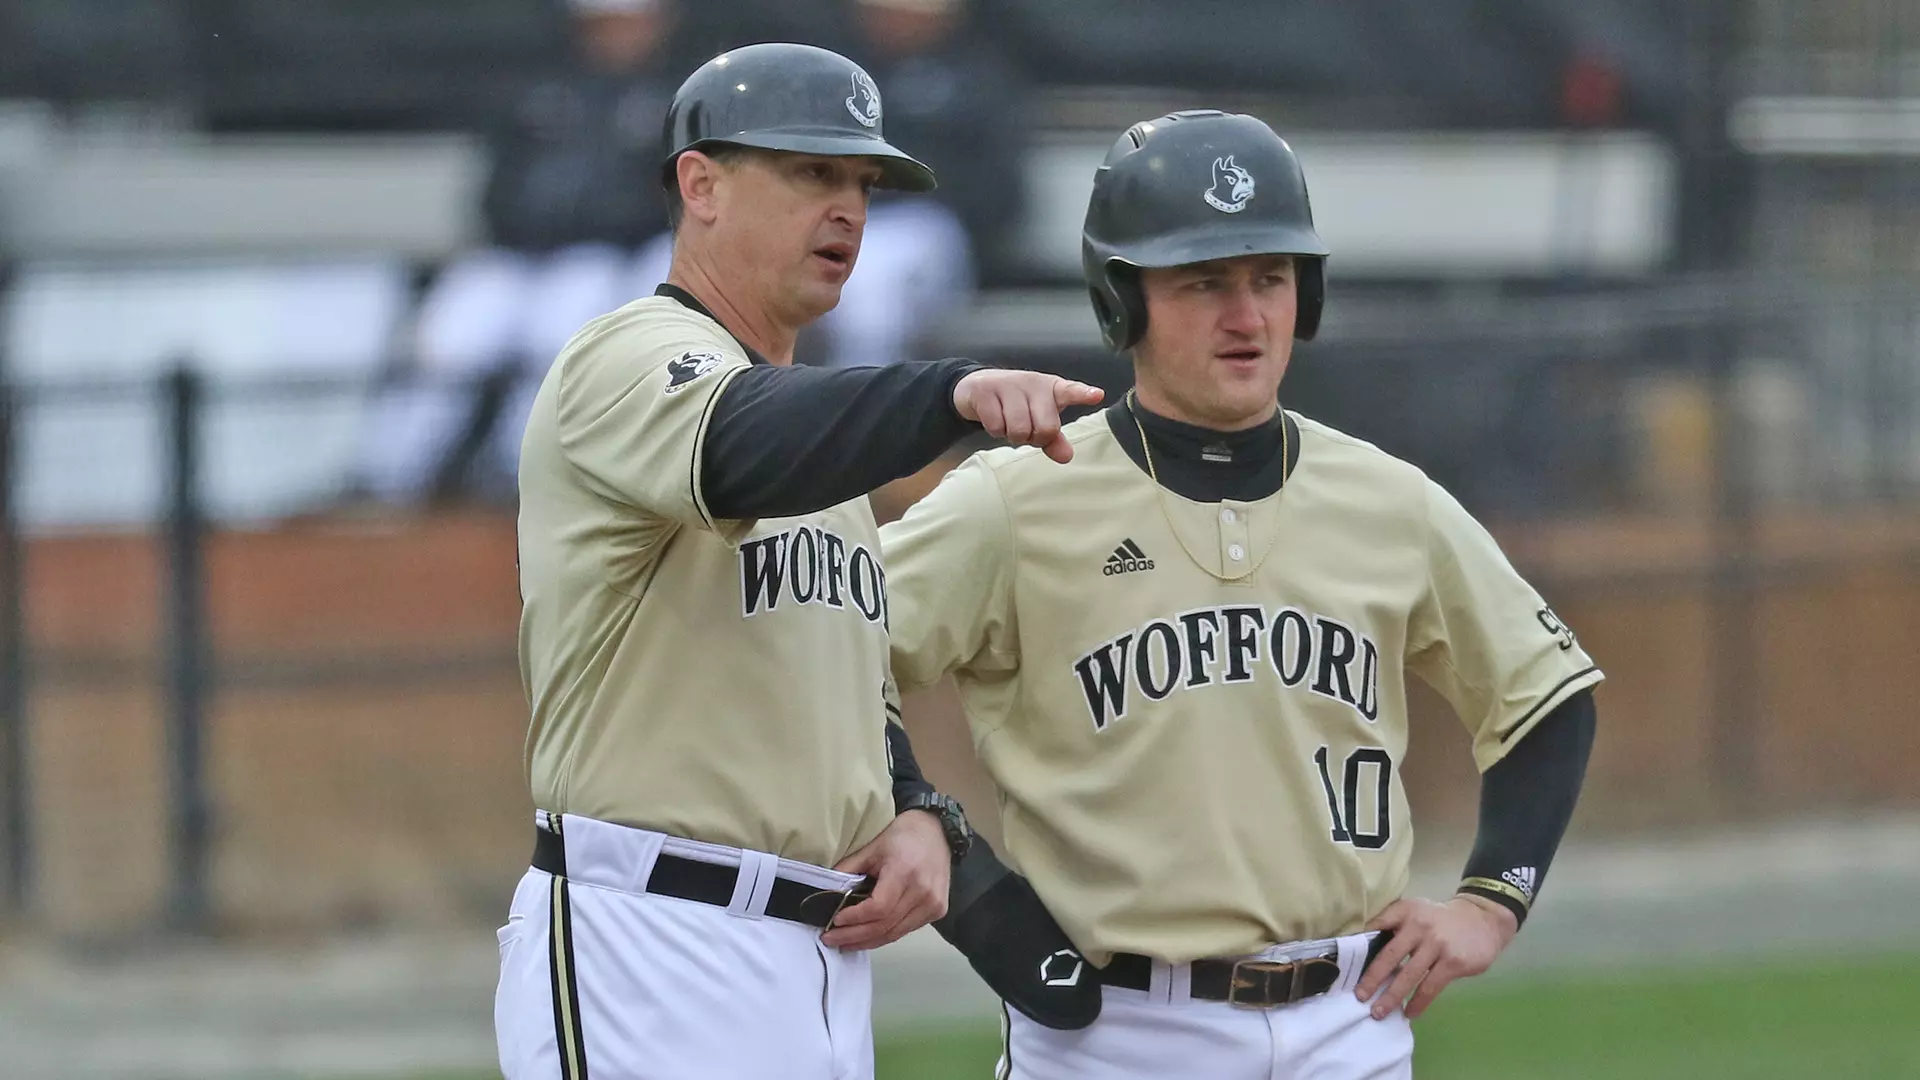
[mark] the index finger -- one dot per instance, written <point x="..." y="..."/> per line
<point x="1068" y="392"/>
<point x="880" y="905"/>
<point x="867" y="924"/>
<point x="1398" y="949"/>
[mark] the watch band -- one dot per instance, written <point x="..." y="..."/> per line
<point x="953" y="819"/>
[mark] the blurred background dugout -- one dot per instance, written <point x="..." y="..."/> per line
<point x="1636" y="280"/>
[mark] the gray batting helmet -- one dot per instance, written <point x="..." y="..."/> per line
<point x="1186" y="188"/>
<point x="780" y="96"/>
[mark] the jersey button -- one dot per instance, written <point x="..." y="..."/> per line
<point x="1227" y="515"/>
<point x="1235" y="551"/>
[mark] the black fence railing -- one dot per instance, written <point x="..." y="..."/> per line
<point x="188" y="653"/>
<point x="16" y="794"/>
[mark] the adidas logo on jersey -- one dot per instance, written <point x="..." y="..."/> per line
<point x="1126" y="559"/>
<point x="1522" y="878"/>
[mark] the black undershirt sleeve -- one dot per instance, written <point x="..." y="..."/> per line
<point x="1526" y="801"/>
<point x="784" y="441"/>
<point x="908" y="780"/>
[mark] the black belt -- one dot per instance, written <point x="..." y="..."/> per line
<point x="1255" y="983"/>
<point x="711" y="883"/>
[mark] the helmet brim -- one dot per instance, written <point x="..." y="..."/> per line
<point x="899" y="171"/>
<point x="1226" y="240"/>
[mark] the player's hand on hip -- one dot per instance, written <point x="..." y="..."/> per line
<point x="910" y="862"/>
<point x="1433" y="944"/>
<point x="1023" y="407"/>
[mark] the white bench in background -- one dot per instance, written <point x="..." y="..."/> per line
<point x="89" y="461"/>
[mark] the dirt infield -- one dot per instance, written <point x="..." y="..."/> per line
<point x="365" y="744"/>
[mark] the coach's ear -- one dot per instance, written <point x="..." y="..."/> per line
<point x="699" y="177"/>
<point x="998" y="923"/>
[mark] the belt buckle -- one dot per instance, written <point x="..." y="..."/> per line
<point x="842" y="899"/>
<point x="1256" y="989"/>
<point x="1252" y="983"/>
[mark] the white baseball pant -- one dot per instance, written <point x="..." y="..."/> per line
<point x="601" y="981"/>
<point x="1161" y="1033"/>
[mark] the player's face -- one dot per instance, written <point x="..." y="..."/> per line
<point x="793" y="224"/>
<point x="1218" y="338"/>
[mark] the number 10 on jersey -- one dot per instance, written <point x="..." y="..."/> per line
<point x="1343" y="800"/>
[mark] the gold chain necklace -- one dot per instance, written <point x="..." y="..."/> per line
<point x="1160" y="497"/>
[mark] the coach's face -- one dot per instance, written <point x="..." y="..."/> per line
<point x="791" y="224"/>
<point x="1218" y="338"/>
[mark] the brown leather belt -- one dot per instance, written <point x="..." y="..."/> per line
<point x="1251" y="983"/>
<point x="711" y="883"/>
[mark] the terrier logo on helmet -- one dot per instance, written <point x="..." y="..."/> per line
<point x="1232" y="186"/>
<point x="864" y="102"/>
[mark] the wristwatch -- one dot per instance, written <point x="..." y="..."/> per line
<point x="953" y="820"/>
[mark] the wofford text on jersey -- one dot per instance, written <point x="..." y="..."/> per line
<point x="811" y="565"/>
<point x="1223" y="645"/>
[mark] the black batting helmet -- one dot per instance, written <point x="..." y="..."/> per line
<point x="780" y="96"/>
<point x="1190" y="187"/>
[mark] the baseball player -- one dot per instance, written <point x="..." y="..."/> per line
<point x="1183" y="658"/>
<point x="703" y="638"/>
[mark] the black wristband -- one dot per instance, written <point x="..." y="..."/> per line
<point x="1500" y="893"/>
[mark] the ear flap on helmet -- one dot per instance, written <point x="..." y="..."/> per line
<point x="1310" y="285"/>
<point x="1105" y="313"/>
<point x="1119" y="305"/>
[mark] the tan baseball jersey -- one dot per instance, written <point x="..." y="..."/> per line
<point x="1195" y="713"/>
<point x="716" y="680"/>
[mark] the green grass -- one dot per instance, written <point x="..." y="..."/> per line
<point x="1774" y="1021"/>
<point x="1823" y="1019"/>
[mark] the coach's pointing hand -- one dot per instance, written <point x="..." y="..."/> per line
<point x="911" y="862"/>
<point x="1438" y="944"/>
<point x="1023" y="407"/>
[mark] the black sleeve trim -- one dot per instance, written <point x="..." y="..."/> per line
<point x="1526" y="801"/>
<point x="1521" y="723"/>
<point x="784" y="441"/>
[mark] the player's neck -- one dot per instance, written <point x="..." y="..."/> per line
<point x="1204" y="465"/>
<point x="1245" y="446"/>
<point x="750" y="323"/>
<point x="1148" y="396"/>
